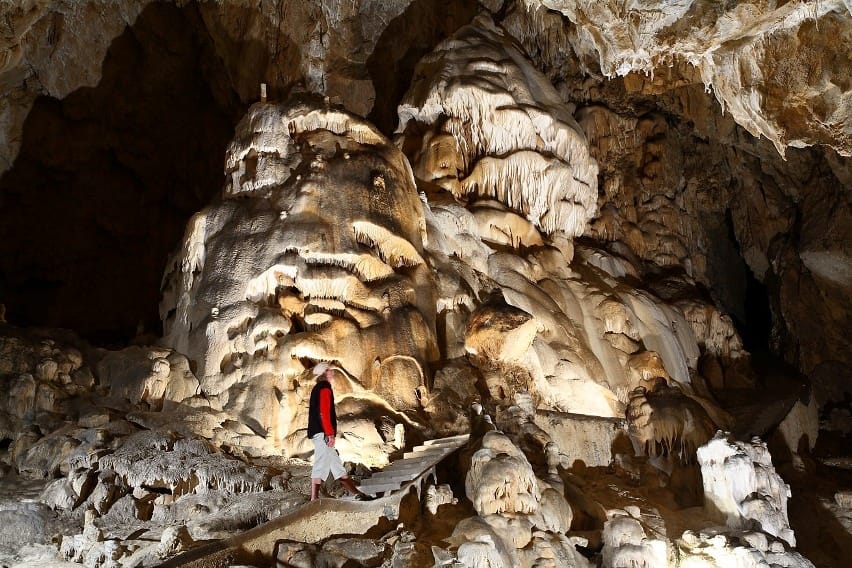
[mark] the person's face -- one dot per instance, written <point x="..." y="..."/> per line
<point x="329" y="375"/>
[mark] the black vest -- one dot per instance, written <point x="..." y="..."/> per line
<point x="314" y="419"/>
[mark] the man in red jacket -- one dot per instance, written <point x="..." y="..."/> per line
<point x="322" y="430"/>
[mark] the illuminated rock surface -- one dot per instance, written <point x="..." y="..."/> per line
<point x="589" y="234"/>
<point x="334" y="272"/>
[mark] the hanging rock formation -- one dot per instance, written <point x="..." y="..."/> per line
<point x="590" y="234"/>
<point x="489" y="125"/>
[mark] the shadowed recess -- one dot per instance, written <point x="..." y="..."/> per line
<point x="107" y="178"/>
<point x="406" y="39"/>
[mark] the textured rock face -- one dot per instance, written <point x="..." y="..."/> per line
<point x="741" y="485"/>
<point x="663" y="421"/>
<point x="579" y="359"/>
<point x="593" y="213"/>
<point x="314" y="254"/>
<point x="497" y="129"/>
<point x="639" y="76"/>
<point x="740" y="52"/>
<point x="697" y="188"/>
<point x="520" y="518"/>
<point x="754" y="56"/>
<point x="53" y="48"/>
<point x="571" y="333"/>
<point x="501" y="479"/>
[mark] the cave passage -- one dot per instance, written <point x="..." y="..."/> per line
<point x="107" y="178"/>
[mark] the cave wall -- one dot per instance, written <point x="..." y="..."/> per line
<point x="700" y="169"/>
<point x="108" y="174"/>
<point x="715" y="136"/>
<point x="719" y="130"/>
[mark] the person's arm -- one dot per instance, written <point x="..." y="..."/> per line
<point x="325" y="416"/>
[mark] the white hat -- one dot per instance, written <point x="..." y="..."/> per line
<point x="320" y="369"/>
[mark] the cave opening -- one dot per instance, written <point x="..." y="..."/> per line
<point x="107" y="178"/>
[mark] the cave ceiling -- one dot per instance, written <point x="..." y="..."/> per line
<point x="606" y="238"/>
<point x="720" y="131"/>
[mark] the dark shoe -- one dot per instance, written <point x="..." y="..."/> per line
<point x="364" y="497"/>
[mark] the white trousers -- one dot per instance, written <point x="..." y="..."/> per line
<point x="326" y="460"/>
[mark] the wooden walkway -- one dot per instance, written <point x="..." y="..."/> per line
<point x="317" y="520"/>
<point x="420" y="461"/>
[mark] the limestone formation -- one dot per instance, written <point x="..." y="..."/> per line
<point x="740" y="52"/>
<point x="740" y="549"/>
<point x="626" y="543"/>
<point x="498" y="130"/>
<point x="585" y="233"/>
<point x="500" y="479"/>
<point x="165" y="378"/>
<point x="437" y="496"/>
<point x="357" y="293"/>
<point x="741" y="485"/>
<point x="521" y="520"/>
<point x="586" y="326"/>
<point x="662" y="421"/>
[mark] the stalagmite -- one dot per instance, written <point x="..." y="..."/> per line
<point x="601" y="233"/>
<point x="339" y="291"/>
<point x="741" y="485"/>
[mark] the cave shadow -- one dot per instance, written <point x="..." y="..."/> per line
<point x="405" y="40"/>
<point x="107" y="178"/>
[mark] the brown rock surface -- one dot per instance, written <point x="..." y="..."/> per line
<point x="658" y="191"/>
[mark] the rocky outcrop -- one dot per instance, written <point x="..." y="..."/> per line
<point x="771" y="65"/>
<point x="742" y="488"/>
<point x="358" y="293"/>
<point x="678" y="165"/>
<point x="498" y="130"/>
<point x="590" y="216"/>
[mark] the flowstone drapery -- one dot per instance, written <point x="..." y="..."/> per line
<point x="481" y="122"/>
<point x="313" y="254"/>
<point x="565" y="236"/>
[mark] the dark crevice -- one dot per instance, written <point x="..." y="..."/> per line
<point x="751" y="312"/>
<point x="757" y="328"/>
<point x="107" y="178"/>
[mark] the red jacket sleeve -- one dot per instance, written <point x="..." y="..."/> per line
<point x="325" y="412"/>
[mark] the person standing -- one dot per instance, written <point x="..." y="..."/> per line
<point x="322" y="430"/>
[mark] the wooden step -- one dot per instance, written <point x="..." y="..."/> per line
<point x="383" y="476"/>
<point x="460" y="439"/>
<point x="413" y="465"/>
<point x="416" y="453"/>
<point x="379" y="488"/>
<point x="406" y="465"/>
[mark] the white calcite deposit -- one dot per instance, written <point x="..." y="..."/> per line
<point x="544" y="265"/>
<point x="737" y="51"/>
<point x="496" y="129"/>
<point x="743" y="549"/>
<point x="574" y="330"/>
<point x="742" y="487"/>
<point x="627" y="544"/>
<point x="500" y="479"/>
<point x="521" y="520"/>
